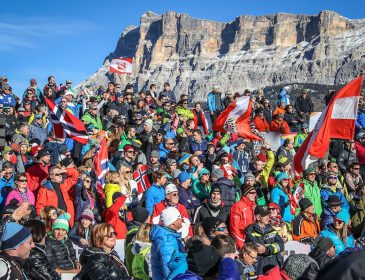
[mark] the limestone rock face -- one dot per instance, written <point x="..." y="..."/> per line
<point x="250" y="52"/>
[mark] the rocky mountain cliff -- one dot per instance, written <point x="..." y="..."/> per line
<point x="250" y="52"/>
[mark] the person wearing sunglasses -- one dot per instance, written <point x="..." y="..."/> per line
<point x="353" y="179"/>
<point x="102" y="261"/>
<point x="347" y="156"/>
<point x="85" y="196"/>
<point x="338" y="232"/>
<point x="129" y="186"/>
<point x="214" y="226"/>
<point x="310" y="188"/>
<point x="21" y="192"/>
<point x="268" y="241"/>
<point x="201" y="186"/>
<point x="331" y="189"/>
<point x="242" y="215"/>
<point x="56" y="190"/>
<point x="172" y="200"/>
<point x="183" y="110"/>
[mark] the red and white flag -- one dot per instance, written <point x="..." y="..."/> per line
<point x="140" y="176"/>
<point x="337" y="121"/>
<point x="121" y="65"/>
<point x="65" y="124"/>
<point x="236" y="119"/>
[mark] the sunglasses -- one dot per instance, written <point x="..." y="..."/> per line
<point x="57" y="174"/>
<point x="205" y="174"/>
<point x="272" y="209"/>
<point x="87" y="181"/>
<point x="221" y="229"/>
<point x="332" y="177"/>
<point x="175" y="194"/>
<point x="23" y="181"/>
<point x="111" y="235"/>
<point x="130" y="151"/>
<point x="252" y="193"/>
<point x="357" y="168"/>
<point x="312" y="173"/>
<point x="170" y="143"/>
<point x="127" y="172"/>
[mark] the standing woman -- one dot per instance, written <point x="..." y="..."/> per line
<point x="267" y="111"/>
<point x="84" y="196"/>
<point x="37" y="266"/>
<point x="21" y="192"/>
<point x="128" y="186"/>
<point x="101" y="262"/>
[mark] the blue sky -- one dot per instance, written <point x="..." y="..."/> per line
<point x="70" y="39"/>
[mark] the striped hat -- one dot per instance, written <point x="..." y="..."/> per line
<point x="62" y="222"/>
<point x="13" y="236"/>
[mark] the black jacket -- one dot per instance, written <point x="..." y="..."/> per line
<point x="207" y="210"/>
<point x="37" y="266"/>
<point x="273" y="243"/>
<point x="99" y="265"/>
<point x="304" y="105"/>
<point x="60" y="254"/>
<point x="11" y="268"/>
<point x="321" y="257"/>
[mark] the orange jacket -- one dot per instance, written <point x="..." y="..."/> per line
<point x="305" y="228"/>
<point x="282" y="127"/>
<point x="111" y="216"/>
<point x="242" y="215"/>
<point x="37" y="173"/>
<point x="278" y="110"/>
<point x="261" y="124"/>
<point x="47" y="195"/>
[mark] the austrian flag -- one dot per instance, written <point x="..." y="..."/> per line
<point x="65" y="124"/>
<point x="337" y="121"/>
<point x="121" y="65"/>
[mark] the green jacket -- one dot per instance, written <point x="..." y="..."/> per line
<point x="358" y="220"/>
<point x="313" y="193"/>
<point x="88" y="119"/>
<point x="299" y="139"/>
<point x="185" y="112"/>
<point x="124" y="140"/>
<point x="199" y="190"/>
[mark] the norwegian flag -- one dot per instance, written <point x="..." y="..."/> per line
<point x="65" y="124"/>
<point x="101" y="162"/>
<point x="140" y="176"/>
<point x="121" y="65"/>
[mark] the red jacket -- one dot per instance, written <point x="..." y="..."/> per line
<point x="242" y="215"/>
<point x="360" y="152"/>
<point x="36" y="174"/>
<point x="282" y="127"/>
<point x="111" y="216"/>
<point x="261" y="124"/>
<point x="159" y="207"/>
<point x="47" y="195"/>
<point x="203" y="120"/>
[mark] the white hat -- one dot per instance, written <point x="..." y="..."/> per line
<point x="169" y="215"/>
<point x="170" y="188"/>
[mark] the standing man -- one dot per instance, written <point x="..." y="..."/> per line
<point x="304" y="106"/>
<point x="167" y="92"/>
<point x="215" y="103"/>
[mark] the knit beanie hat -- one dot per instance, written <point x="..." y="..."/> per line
<point x="155" y="154"/>
<point x="87" y="215"/>
<point x="169" y="215"/>
<point x="246" y="189"/>
<point x="183" y="177"/>
<point x="140" y="214"/>
<point x="304" y="203"/>
<point x="323" y="243"/>
<point x="203" y="171"/>
<point x="281" y="176"/>
<point x="249" y="176"/>
<point x="62" y="222"/>
<point x="296" y="265"/>
<point x="216" y="188"/>
<point x="13" y="236"/>
<point x="344" y="216"/>
<point x="217" y="173"/>
<point x="210" y="223"/>
<point x="148" y="122"/>
<point x="202" y="259"/>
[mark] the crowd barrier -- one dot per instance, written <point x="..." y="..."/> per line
<point x="295" y="247"/>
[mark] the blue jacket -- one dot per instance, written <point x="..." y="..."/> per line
<point x="228" y="270"/>
<point x="339" y="245"/>
<point x="4" y="190"/>
<point x="167" y="253"/>
<point x="187" y="198"/>
<point x="327" y="217"/>
<point x="212" y="102"/>
<point x="281" y="198"/>
<point x="326" y="192"/>
<point x="163" y="152"/>
<point x="7" y="100"/>
<point x="282" y="97"/>
<point x="38" y="131"/>
<point x="54" y="149"/>
<point x="202" y="146"/>
<point x="188" y="275"/>
<point x="360" y="120"/>
<point x="154" y="195"/>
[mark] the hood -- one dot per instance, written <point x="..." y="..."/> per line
<point x="47" y="184"/>
<point x="226" y="182"/>
<point x="160" y="232"/>
<point x="139" y="246"/>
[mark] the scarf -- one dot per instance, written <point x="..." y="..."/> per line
<point x="276" y="221"/>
